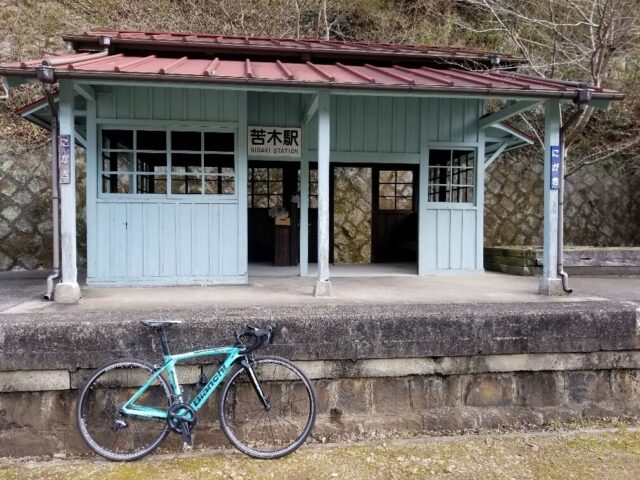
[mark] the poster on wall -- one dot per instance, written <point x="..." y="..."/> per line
<point x="274" y="141"/>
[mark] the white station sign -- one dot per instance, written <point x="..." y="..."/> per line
<point x="274" y="141"/>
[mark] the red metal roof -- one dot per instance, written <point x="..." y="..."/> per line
<point x="338" y="75"/>
<point x="261" y="45"/>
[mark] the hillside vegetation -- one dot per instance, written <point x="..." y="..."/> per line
<point x="597" y="41"/>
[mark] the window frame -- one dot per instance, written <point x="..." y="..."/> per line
<point x="167" y="129"/>
<point x="450" y="167"/>
<point x="378" y="184"/>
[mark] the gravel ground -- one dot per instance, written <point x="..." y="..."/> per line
<point x="583" y="455"/>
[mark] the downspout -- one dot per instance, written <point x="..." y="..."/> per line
<point x="46" y="76"/>
<point x="582" y="100"/>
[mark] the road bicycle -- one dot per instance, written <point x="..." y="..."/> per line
<point x="266" y="408"/>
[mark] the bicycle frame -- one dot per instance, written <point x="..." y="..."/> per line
<point x="170" y="361"/>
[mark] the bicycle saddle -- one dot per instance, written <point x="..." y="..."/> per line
<point x="159" y="323"/>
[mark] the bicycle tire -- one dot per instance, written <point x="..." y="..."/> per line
<point x="239" y="406"/>
<point x="97" y="412"/>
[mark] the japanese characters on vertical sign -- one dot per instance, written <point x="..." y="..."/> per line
<point x="555" y="167"/>
<point x="274" y="141"/>
<point x="64" y="161"/>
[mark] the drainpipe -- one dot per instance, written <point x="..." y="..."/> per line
<point x="46" y="76"/>
<point x="583" y="99"/>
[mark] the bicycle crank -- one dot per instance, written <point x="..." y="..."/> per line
<point x="180" y="415"/>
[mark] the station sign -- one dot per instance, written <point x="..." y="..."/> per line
<point x="555" y="167"/>
<point x="274" y="141"/>
<point x="64" y="159"/>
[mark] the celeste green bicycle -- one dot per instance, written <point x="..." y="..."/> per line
<point x="267" y="407"/>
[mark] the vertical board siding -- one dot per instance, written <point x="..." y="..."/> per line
<point x="469" y="239"/>
<point x="166" y="242"/>
<point x="168" y="246"/>
<point x="455" y="240"/>
<point x="274" y="109"/>
<point x="372" y="124"/>
<point x="157" y="103"/>
<point x="151" y="222"/>
<point x="451" y="237"/>
<point x="452" y="119"/>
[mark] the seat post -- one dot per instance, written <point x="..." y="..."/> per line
<point x="163" y="341"/>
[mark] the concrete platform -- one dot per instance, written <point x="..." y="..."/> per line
<point x="23" y="295"/>
<point x="442" y="353"/>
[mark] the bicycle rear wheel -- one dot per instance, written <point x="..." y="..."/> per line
<point x="281" y="427"/>
<point x="104" y="428"/>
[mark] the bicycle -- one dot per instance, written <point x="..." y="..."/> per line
<point x="266" y="409"/>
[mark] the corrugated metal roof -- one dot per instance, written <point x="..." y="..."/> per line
<point x="369" y="77"/>
<point x="256" y="45"/>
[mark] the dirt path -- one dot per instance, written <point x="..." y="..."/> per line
<point x="599" y="454"/>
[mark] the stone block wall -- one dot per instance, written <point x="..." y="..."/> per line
<point x="352" y="215"/>
<point x="38" y="417"/>
<point x="25" y="208"/>
<point x="602" y="203"/>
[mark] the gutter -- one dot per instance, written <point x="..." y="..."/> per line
<point x="46" y="76"/>
<point x="582" y="100"/>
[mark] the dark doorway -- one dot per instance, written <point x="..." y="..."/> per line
<point x="272" y="186"/>
<point x="392" y="192"/>
<point x="394" y="226"/>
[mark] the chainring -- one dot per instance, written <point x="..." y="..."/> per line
<point x="178" y="413"/>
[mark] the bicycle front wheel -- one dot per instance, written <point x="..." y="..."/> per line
<point x="282" y="425"/>
<point x="104" y="428"/>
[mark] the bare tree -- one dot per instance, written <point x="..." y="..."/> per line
<point x="584" y="39"/>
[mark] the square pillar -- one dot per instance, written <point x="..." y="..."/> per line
<point x="68" y="290"/>
<point x="323" y="285"/>
<point x="304" y="211"/>
<point x="550" y="283"/>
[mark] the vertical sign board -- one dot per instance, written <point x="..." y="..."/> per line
<point x="274" y="141"/>
<point x="555" y="167"/>
<point x="64" y="162"/>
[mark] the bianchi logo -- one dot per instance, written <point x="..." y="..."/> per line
<point x="210" y="385"/>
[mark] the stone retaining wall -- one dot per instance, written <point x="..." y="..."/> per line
<point x="602" y="203"/>
<point x="375" y="369"/>
<point x="25" y="209"/>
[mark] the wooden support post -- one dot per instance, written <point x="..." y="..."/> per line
<point x="68" y="290"/>
<point x="242" y="185"/>
<point x="304" y="206"/>
<point x="323" y="285"/>
<point x="550" y="283"/>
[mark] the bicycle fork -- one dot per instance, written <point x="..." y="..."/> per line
<point x="256" y="385"/>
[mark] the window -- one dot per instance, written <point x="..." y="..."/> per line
<point x="167" y="162"/>
<point x="265" y="187"/>
<point x="395" y="190"/>
<point x="451" y="176"/>
<point x="313" y="187"/>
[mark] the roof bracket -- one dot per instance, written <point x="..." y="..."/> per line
<point x="507" y="112"/>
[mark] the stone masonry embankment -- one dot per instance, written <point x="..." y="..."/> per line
<point x="375" y="368"/>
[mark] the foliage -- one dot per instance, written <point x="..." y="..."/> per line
<point x="591" y="40"/>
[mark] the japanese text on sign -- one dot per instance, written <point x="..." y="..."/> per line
<point x="274" y="141"/>
<point x="64" y="162"/>
<point x="555" y="168"/>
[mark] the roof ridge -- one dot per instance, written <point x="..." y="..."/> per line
<point x="423" y="48"/>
